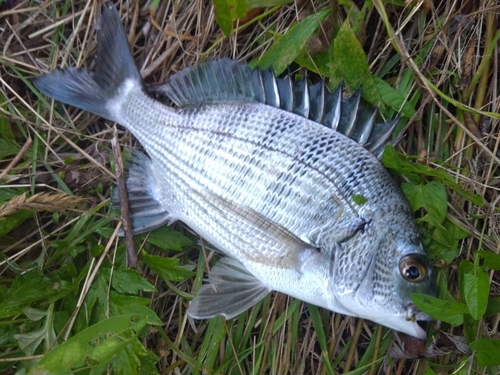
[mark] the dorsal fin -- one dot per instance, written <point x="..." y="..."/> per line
<point x="227" y="81"/>
<point x="219" y="81"/>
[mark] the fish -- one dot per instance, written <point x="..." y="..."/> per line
<point x="281" y="177"/>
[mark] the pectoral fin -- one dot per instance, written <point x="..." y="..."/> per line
<point x="264" y="241"/>
<point x="231" y="289"/>
<point x="337" y="233"/>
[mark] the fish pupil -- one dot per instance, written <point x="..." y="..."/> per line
<point x="412" y="273"/>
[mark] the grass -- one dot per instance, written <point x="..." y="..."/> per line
<point x="66" y="296"/>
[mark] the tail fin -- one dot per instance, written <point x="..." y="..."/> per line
<point x="114" y="67"/>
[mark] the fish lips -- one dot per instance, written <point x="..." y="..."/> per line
<point x="404" y="321"/>
<point x="414" y="314"/>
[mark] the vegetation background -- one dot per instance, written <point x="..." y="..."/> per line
<point x="68" y="303"/>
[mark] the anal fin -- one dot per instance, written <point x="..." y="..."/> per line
<point x="231" y="290"/>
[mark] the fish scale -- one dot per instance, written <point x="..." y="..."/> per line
<point x="187" y="144"/>
<point x="259" y="167"/>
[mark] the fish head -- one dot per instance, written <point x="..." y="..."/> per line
<point x="390" y="269"/>
<point x="412" y="273"/>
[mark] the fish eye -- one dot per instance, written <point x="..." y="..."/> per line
<point x="412" y="268"/>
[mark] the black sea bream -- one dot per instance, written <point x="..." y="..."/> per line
<point x="246" y="161"/>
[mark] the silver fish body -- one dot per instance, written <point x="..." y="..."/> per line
<point x="297" y="207"/>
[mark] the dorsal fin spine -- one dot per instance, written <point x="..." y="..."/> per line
<point x="271" y="88"/>
<point x="333" y="108"/>
<point x="285" y="93"/>
<point x="257" y="85"/>
<point x="349" y="112"/>
<point x="366" y="126"/>
<point x="317" y="107"/>
<point x="300" y="90"/>
<point x="226" y="81"/>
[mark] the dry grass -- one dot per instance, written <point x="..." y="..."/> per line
<point x="444" y="44"/>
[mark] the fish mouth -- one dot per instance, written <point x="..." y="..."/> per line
<point x="413" y="318"/>
<point x="415" y="315"/>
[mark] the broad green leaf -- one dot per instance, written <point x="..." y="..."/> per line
<point x="359" y="199"/>
<point x="7" y="194"/>
<point x="266" y="3"/>
<point x="130" y="281"/>
<point x="349" y="62"/>
<point x="104" y="354"/>
<point x="227" y="11"/>
<point x="124" y="305"/>
<point x="393" y="98"/>
<point x="287" y="48"/>
<point x="154" y="6"/>
<point x="491" y="259"/>
<point x="487" y="351"/>
<point x="391" y="159"/>
<point x="223" y="16"/>
<point x="476" y="199"/>
<point x="444" y="310"/>
<point x="493" y="307"/>
<point x="30" y="341"/>
<point x="105" y="232"/>
<point x="431" y="196"/>
<point x="126" y="362"/>
<point x="237" y="8"/>
<point x="168" y="239"/>
<point x="6" y="130"/>
<point x="89" y="343"/>
<point x="402" y="164"/>
<point x="166" y="268"/>
<point x="476" y="289"/>
<point x="464" y="268"/>
<point x="356" y="17"/>
<point x="28" y="289"/>
<point x="446" y="239"/>
<point x="135" y="359"/>
<point x="13" y="221"/>
<point x="317" y="63"/>
<point x="96" y="300"/>
<point x="8" y="148"/>
<point x="415" y="171"/>
<point x="34" y="314"/>
<point x="97" y="250"/>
